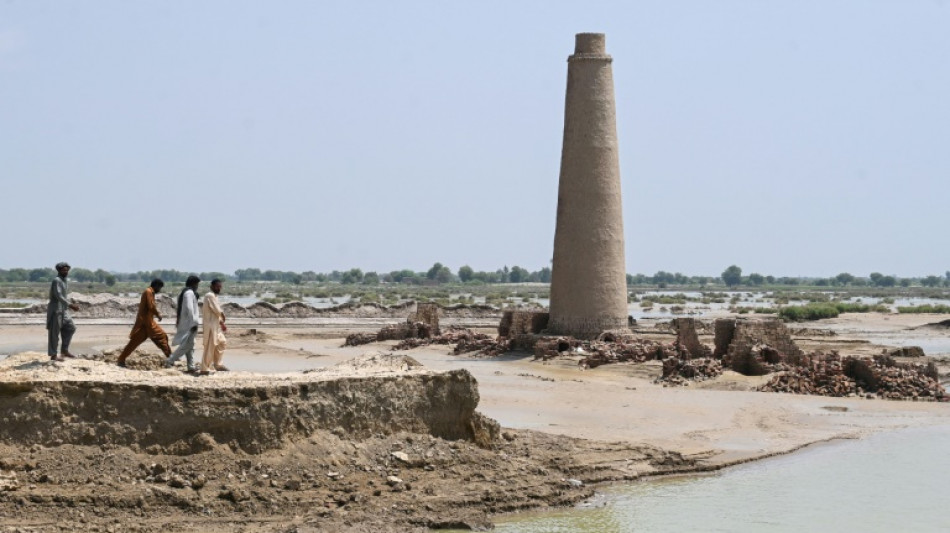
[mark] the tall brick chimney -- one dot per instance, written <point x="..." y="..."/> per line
<point x="588" y="279"/>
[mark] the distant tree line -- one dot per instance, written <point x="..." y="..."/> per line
<point x="732" y="277"/>
<point x="84" y="275"/>
<point x="438" y="274"/>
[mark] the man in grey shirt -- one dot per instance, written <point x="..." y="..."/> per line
<point x="58" y="321"/>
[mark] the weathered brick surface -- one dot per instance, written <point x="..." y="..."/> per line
<point x="428" y="314"/>
<point x="515" y="323"/>
<point x="724" y="330"/>
<point x="747" y="333"/>
<point x="686" y="335"/>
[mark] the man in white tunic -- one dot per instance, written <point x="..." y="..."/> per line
<point x="186" y="327"/>
<point x="213" y="328"/>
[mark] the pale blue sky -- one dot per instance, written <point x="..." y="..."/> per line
<point x="790" y="138"/>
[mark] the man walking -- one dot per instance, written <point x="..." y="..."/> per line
<point x="186" y="325"/>
<point x="213" y="328"/>
<point x="58" y="321"/>
<point x="145" y="325"/>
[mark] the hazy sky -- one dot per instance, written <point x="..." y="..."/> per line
<point x="790" y="138"/>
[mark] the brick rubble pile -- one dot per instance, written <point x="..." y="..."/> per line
<point x="878" y="377"/>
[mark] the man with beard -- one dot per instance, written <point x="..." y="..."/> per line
<point x="186" y="325"/>
<point x="212" y="318"/>
<point x="145" y="325"/>
<point x="58" y="321"/>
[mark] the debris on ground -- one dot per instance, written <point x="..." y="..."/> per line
<point x="465" y="341"/>
<point x="677" y="371"/>
<point x="906" y="351"/>
<point x="358" y="339"/>
<point x="869" y="377"/>
<point x="753" y="349"/>
<point x="403" y="331"/>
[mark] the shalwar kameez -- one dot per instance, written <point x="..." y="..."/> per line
<point x="58" y="321"/>
<point x="212" y="320"/>
<point x="186" y="329"/>
<point x="146" y="327"/>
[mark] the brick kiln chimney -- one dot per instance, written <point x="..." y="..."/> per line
<point x="588" y="279"/>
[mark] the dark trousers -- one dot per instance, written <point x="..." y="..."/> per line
<point x="59" y="325"/>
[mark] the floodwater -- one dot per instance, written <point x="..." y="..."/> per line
<point x="694" y="307"/>
<point x="892" y="481"/>
<point x="28" y="301"/>
<point x="318" y="303"/>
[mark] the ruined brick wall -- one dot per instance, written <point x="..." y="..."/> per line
<point x="686" y="335"/>
<point x="724" y="330"/>
<point x="750" y="332"/>
<point x="428" y="314"/>
<point x="514" y="323"/>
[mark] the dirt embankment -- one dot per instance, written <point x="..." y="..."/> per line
<point x="373" y="444"/>
<point x="171" y="415"/>
<point x="111" y="306"/>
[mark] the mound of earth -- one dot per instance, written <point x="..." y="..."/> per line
<point x="94" y="402"/>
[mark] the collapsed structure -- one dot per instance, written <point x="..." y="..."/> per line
<point x="736" y="337"/>
<point x="588" y="278"/>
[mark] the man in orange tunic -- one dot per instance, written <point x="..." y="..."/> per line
<point x="145" y="325"/>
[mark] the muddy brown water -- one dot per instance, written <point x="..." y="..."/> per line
<point x="892" y="481"/>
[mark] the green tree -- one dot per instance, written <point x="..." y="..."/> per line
<point x="248" y="274"/>
<point x="41" y="274"/>
<point x="434" y="271"/>
<point x="844" y="278"/>
<point x="444" y="275"/>
<point x="310" y="275"/>
<point x="82" y="275"/>
<point x="466" y="273"/>
<point x="209" y="276"/>
<point x="518" y="274"/>
<point x="371" y="278"/>
<point x="732" y="276"/>
<point x="637" y="279"/>
<point x="756" y="279"/>
<point x="876" y="278"/>
<point x="931" y="281"/>
<point x="403" y="275"/>
<point x="662" y="278"/>
<point x="353" y="275"/>
<point x="544" y="275"/>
